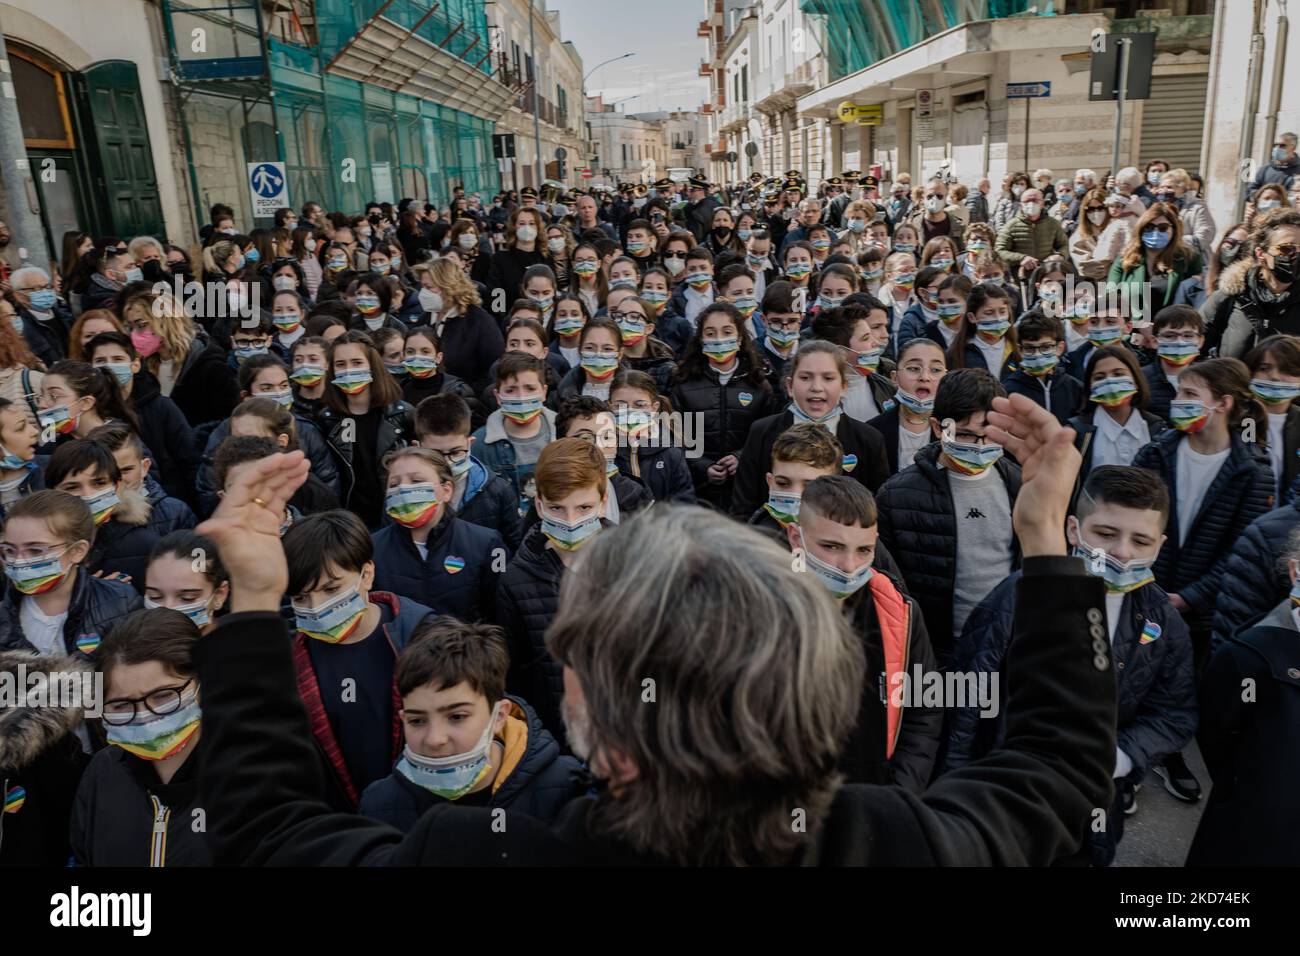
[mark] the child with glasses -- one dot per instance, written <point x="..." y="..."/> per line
<point x="1039" y="375"/>
<point x="138" y="801"/>
<point x="1179" y="333"/>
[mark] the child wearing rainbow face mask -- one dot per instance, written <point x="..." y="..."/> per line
<point x="600" y="351"/>
<point x="136" y="803"/>
<point x="1219" y="481"/>
<point x="801" y="454"/>
<point x="1040" y="376"/>
<point x="722" y="379"/>
<point x="466" y="740"/>
<point x="860" y="329"/>
<point x="572" y="491"/>
<point x="987" y="339"/>
<point x="51" y="606"/>
<point x="1117" y="528"/>
<point x="428" y="554"/>
<point x="1179" y="333"/>
<point x="835" y="539"/>
<point x="511" y="441"/>
<point x="345" y="650"/>
<point x="20" y="473"/>
<point x="1275" y="380"/>
<point x="422" y="358"/>
<point x="123" y="539"/>
<point x="947" y="518"/>
<point x="1112" y="423"/>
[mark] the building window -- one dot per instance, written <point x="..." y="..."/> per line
<point x="744" y="83"/>
<point x="625" y="154"/>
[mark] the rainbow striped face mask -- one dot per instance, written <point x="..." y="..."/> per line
<point x="156" y="737"/>
<point x="334" y="621"/>
<point x="412" y="506"/>
<point x="38" y="575"/>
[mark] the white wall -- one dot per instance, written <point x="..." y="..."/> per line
<point x="82" y="33"/>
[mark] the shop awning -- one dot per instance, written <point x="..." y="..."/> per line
<point x="393" y="57"/>
<point x="964" y="53"/>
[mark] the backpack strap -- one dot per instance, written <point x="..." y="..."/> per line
<point x="30" y="395"/>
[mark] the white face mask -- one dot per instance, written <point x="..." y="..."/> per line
<point x="430" y="300"/>
<point x="526" y="233"/>
<point x="555" y="245"/>
<point x="1097" y="216"/>
<point x="675" y="266"/>
<point x="467" y="241"/>
<point x="1032" y="209"/>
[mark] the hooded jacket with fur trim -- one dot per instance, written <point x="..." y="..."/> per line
<point x="123" y="543"/>
<point x="1242" y="310"/>
<point x="41" y="762"/>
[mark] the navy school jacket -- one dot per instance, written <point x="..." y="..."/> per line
<point x="459" y="576"/>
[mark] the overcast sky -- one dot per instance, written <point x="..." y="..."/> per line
<point x="664" y="74"/>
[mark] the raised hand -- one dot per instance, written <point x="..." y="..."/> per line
<point x="246" y="529"/>
<point x="1049" y="464"/>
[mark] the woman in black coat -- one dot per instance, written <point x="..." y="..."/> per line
<point x="469" y="337"/>
<point x="723" y="381"/>
<point x="817" y="380"/>
<point x="150" y="773"/>
<point x="525" y="246"/>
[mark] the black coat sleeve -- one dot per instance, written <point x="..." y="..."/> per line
<point x="749" y="492"/>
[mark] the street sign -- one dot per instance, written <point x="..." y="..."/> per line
<point x="846" y="110"/>
<point x="1022" y="91"/>
<point x="751" y="149"/>
<point x="268" y="185"/>
<point x="561" y="153"/>
<point x="1103" y="80"/>
<point x="924" y="114"/>
<point x="587" y="174"/>
<point x="871" y="114"/>
<point x="503" y="145"/>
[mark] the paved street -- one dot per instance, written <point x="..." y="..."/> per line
<point x="1161" y="831"/>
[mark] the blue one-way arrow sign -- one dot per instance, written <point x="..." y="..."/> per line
<point x="1025" y="91"/>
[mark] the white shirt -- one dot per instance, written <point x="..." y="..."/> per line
<point x="598" y="390"/>
<point x="1116" y="444"/>
<point x="909" y="445"/>
<point x="992" y="354"/>
<point x="949" y="334"/>
<point x="858" y="401"/>
<point x="696" y="303"/>
<point x="1073" y="339"/>
<point x="1276" y="421"/>
<point x="760" y="283"/>
<point x="1114" y="604"/>
<point x="43" y="632"/>
<point x="287" y="339"/>
<point x="571" y="356"/>
<point x="591" y="300"/>
<point x="1193" y="475"/>
<point x="423" y="548"/>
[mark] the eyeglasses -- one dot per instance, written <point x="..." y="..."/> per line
<point x="1286" y="249"/>
<point x="1160" y="227"/>
<point x="675" y="255"/>
<point x="1038" y="350"/>
<point x="36" y="552"/>
<point x="160" y="703"/>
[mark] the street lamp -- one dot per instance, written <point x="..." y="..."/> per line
<point x="612" y="59"/>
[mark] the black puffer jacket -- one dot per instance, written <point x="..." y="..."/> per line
<point x="490" y="502"/>
<point x="918" y="525"/>
<point x="1240" y="493"/>
<point x="864" y="458"/>
<point x="663" y="469"/>
<point x="537" y="782"/>
<point x="96" y="605"/>
<point x="1252" y="817"/>
<point x="168" y="436"/>
<point x="527" y="599"/>
<point x="1255" y="577"/>
<point x="41" y="762"/>
<point x="310" y="440"/>
<point x="459" y="576"/>
<point x="205" y="389"/>
<point x="118" y="803"/>
<point x="416" y="390"/>
<point x="728" y="412"/>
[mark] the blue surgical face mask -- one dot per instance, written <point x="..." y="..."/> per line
<point x="783" y="506"/>
<point x="251" y="256"/>
<point x="134" y="275"/>
<point x="43" y="299"/>
<point x="11" y="462"/>
<point x="121" y="372"/>
<point x="460" y="466"/>
<point x="1274" y="392"/>
<point x="283" y="399"/>
<point x="1153" y="239"/>
<point x="244" y="354"/>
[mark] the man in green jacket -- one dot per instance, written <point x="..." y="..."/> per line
<point x="1031" y="235"/>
